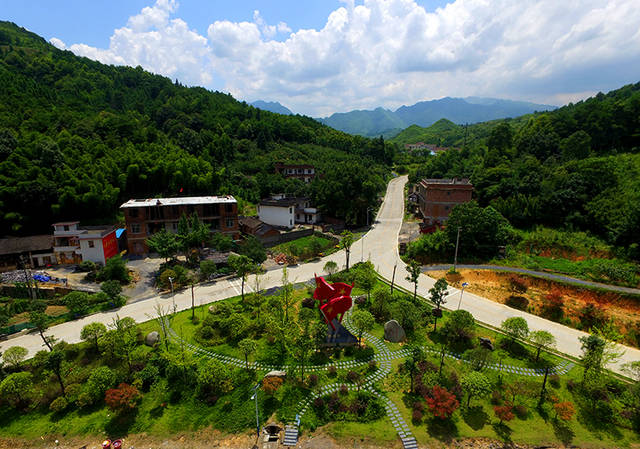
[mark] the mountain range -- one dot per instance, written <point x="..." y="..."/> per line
<point x="388" y="123"/>
<point x="272" y="106"/>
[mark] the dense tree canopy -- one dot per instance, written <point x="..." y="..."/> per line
<point x="78" y="137"/>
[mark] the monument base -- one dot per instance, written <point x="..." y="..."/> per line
<point x="340" y="337"/>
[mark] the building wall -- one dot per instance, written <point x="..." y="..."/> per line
<point x="142" y="222"/>
<point x="95" y="254"/>
<point x="436" y="201"/>
<point x="276" y="215"/>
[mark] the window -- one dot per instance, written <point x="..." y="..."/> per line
<point x="290" y="222"/>
<point x="135" y="228"/>
<point x="91" y="244"/>
<point x="291" y="210"/>
<point x="230" y="222"/>
<point x="66" y="227"/>
<point x="211" y="210"/>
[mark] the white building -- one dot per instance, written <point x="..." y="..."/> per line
<point x="305" y="213"/>
<point x="73" y="244"/>
<point x="278" y="211"/>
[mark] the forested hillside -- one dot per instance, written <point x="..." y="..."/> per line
<point x="78" y="137"/>
<point x="577" y="167"/>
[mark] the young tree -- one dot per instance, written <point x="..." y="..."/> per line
<point x="516" y="328"/>
<point x="345" y="243"/>
<point x="77" y="302"/>
<point x="115" y="269"/>
<point x="213" y="379"/>
<point x="164" y="243"/>
<point x="253" y="249"/>
<point x="366" y="278"/>
<point x="304" y="341"/>
<point x="475" y="384"/>
<point x="243" y="266"/>
<point x="207" y="269"/>
<point x="460" y="325"/>
<point x="504" y="412"/>
<point x="363" y="321"/>
<point x="41" y="323"/>
<point x="330" y="268"/>
<point x="15" y="355"/>
<point x="247" y="346"/>
<point x="592" y="354"/>
<point x="17" y="388"/>
<point x="54" y="363"/>
<point x="414" y="268"/>
<point x="438" y="292"/>
<point x="541" y="340"/>
<point x="441" y="402"/>
<point x="416" y="355"/>
<point x="564" y="410"/>
<point x="122" y="399"/>
<point x="100" y="380"/>
<point x="93" y="332"/>
<point x="286" y="295"/>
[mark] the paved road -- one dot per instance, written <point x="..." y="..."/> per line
<point x="542" y="274"/>
<point x="379" y="245"/>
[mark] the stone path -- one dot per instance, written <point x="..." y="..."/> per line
<point x="383" y="357"/>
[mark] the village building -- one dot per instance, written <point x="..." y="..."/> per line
<point x="303" y="172"/>
<point x="145" y="217"/>
<point x="257" y="228"/>
<point x="74" y="244"/>
<point x="285" y="211"/>
<point x="436" y="198"/>
<point x="35" y="251"/>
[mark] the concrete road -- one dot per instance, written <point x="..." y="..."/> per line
<point x="379" y="245"/>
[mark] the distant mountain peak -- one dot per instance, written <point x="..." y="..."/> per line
<point x="272" y="106"/>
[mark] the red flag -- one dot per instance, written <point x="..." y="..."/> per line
<point x="342" y="289"/>
<point x="323" y="289"/>
<point x="181" y="189"/>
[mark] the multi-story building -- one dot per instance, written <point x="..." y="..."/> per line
<point x="303" y="172"/>
<point x="437" y="197"/>
<point x="145" y="217"/>
<point x="284" y="211"/>
<point x="75" y="244"/>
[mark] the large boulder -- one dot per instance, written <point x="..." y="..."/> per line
<point x="393" y="332"/>
<point x="152" y="339"/>
<point x="275" y="373"/>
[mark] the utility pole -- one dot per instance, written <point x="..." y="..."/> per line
<point x="193" y="306"/>
<point x="464" y="284"/>
<point x="455" y="257"/>
<point x="255" y="397"/>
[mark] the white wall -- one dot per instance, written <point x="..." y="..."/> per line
<point x="95" y="254"/>
<point x="277" y="216"/>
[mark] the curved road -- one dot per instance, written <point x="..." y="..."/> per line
<point x="380" y="245"/>
<point x="542" y="274"/>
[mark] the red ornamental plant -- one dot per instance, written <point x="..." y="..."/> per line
<point x="123" y="398"/>
<point x="441" y="403"/>
<point x="564" y="410"/>
<point x="504" y="412"/>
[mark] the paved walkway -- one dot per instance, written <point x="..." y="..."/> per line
<point x="383" y="358"/>
<point x="542" y="274"/>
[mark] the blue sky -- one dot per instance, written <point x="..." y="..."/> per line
<point x="323" y="56"/>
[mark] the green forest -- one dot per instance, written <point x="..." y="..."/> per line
<point x="78" y="138"/>
<point x="576" y="168"/>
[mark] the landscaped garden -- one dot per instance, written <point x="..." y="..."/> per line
<point x="450" y="378"/>
<point x="306" y="247"/>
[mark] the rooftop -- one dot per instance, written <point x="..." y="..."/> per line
<point x="16" y="245"/>
<point x="280" y="202"/>
<point x="179" y="201"/>
<point x="450" y="181"/>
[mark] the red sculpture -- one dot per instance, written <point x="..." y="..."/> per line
<point x="337" y="297"/>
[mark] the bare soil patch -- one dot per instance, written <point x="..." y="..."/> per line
<point x="496" y="286"/>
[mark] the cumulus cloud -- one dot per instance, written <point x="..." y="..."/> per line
<point x="58" y="43"/>
<point x="391" y="52"/>
<point x="155" y="41"/>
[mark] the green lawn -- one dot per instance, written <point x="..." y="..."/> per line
<point x="305" y="247"/>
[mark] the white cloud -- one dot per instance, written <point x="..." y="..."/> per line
<point x="159" y="44"/>
<point x="391" y="52"/>
<point x="58" y="43"/>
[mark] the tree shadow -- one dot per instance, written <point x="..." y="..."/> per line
<point x="503" y="431"/>
<point x="563" y="432"/>
<point x="157" y="411"/>
<point x="475" y="417"/>
<point x="120" y="423"/>
<point x="443" y="429"/>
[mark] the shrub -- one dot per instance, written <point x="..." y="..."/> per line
<point x="592" y="316"/>
<point x="87" y="266"/>
<point x="571" y="384"/>
<point x="441" y="402"/>
<point x="333" y="371"/>
<point x="496" y="397"/>
<point x="122" y="399"/>
<point x="353" y="377"/>
<point x="312" y="380"/>
<point x="163" y="279"/>
<point x="115" y="269"/>
<point x="271" y="384"/>
<point x="100" y="380"/>
<point x="520" y="411"/>
<point x="418" y="405"/>
<point x="517" y="285"/>
<point x="344" y="390"/>
<point x="58" y="405"/>
<point x="517" y="302"/>
<point x="373" y="365"/>
<point x="554" y="381"/>
<point x="318" y="403"/>
<point x="504" y="412"/>
<point x="416" y="416"/>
